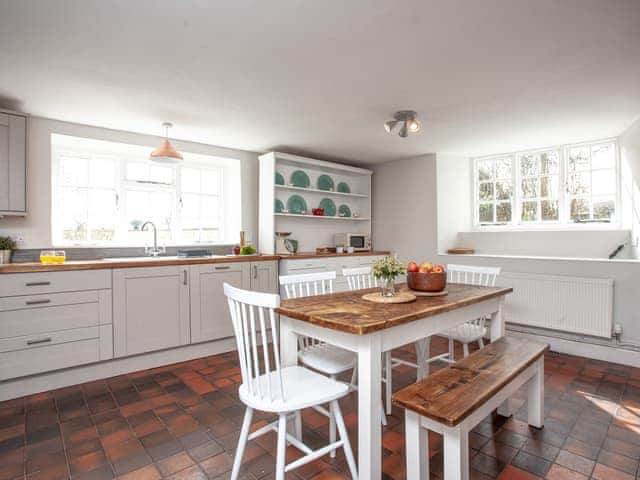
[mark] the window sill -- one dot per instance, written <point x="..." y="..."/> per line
<point x="596" y="227"/>
<point x="541" y="258"/>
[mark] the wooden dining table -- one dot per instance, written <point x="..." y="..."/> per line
<point x="347" y="320"/>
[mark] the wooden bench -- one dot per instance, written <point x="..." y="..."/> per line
<point x="455" y="399"/>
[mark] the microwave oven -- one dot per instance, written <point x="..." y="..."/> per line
<point x="361" y="242"/>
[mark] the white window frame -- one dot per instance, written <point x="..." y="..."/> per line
<point x="564" y="222"/>
<point x="123" y="186"/>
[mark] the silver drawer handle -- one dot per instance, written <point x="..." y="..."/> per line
<point x="36" y="284"/>
<point x="37" y="302"/>
<point x="223" y="268"/>
<point x="40" y="340"/>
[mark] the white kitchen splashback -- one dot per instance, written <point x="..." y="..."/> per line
<point x="569" y="304"/>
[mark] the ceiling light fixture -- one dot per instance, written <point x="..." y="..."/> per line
<point x="407" y="119"/>
<point x="165" y="153"/>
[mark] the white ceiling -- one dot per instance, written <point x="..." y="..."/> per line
<point x="320" y="77"/>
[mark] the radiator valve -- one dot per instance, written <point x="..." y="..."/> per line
<point x="617" y="330"/>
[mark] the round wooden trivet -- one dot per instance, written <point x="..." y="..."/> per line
<point x="400" y="297"/>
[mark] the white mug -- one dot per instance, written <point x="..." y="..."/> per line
<point x="350" y="249"/>
<point x="339" y="249"/>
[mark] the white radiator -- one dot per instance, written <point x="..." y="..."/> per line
<point x="570" y="304"/>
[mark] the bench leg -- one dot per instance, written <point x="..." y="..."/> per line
<point x="456" y="454"/>
<point x="423" y="347"/>
<point x="535" y="396"/>
<point x="417" y="447"/>
<point x="506" y="408"/>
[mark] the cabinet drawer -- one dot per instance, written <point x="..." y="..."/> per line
<point x="220" y="267"/>
<point x="34" y="283"/>
<point x="45" y="340"/>
<point x="306" y="264"/>
<point x="34" y="321"/>
<point x="28" y="302"/>
<point x="66" y="349"/>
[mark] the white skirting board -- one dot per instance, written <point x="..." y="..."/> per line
<point x="110" y="368"/>
<point x="605" y="353"/>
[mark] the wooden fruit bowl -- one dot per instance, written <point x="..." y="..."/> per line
<point x="427" y="282"/>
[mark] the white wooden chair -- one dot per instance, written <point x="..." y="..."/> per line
<point x="359" y="278"/>
<point x="268" y="387"/>
<point x="476" y="330"/>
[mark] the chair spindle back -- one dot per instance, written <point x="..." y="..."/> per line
<point x="359" y="278"/>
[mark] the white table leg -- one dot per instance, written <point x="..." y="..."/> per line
<point x="369" y="407"/>
<point x="456" y="454"/>
<point x="535" y="396"/>
<point x="423" y="352"/>
<point x="417" y="447"/>
<point x="288" y="343"/>
<point x="497" y="331"/>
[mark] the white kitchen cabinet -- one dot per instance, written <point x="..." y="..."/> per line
<point x="293" y="266"/>
<point x="151" y="309"/>
<point x="264" y="277"/>
<point x="13" y="164"/>
<point x="210" y="318"/>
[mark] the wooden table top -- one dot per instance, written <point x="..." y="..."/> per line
<point x="452" y="394"/>
<point x="349" y="312"/>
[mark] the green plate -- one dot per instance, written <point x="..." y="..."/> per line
<point x="279" y="179"/>
<point x="278" y="205"/>
<point x="325" y="182"/>
<point x="344" y="187"/>
<point x="300" y="179"/>
<point x="296" y="204"/>
<point x="344" y="211"/>
<point x="328" y="206"/>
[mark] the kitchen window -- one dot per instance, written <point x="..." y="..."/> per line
<point x="568" y="185"/>
<point x="103" y="192"/>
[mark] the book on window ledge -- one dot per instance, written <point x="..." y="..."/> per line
<point x="460" y="251"/>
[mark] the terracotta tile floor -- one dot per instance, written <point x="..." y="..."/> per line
<point x="182" y="422"/>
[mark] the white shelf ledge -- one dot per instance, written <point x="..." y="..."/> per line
<point x="322" y="217"/>
<point x="324" y="192"/>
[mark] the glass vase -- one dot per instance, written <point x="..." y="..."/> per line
<point x="388" y="287"/>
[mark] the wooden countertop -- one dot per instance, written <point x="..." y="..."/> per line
<point x="308" y="255"/>
<point x="164" y="261"/>
<point x="349" y="312"/>
<point x="129" y="263"/>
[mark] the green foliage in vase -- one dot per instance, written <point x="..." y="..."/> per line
<point x="7" y="243"/>
<point x="388" y="267"/>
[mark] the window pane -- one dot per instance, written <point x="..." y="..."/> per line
<point x="137" y="172"/>
<point x="580" y="183"/>
<point x="190" y="180"/>
<point x="102" y="173"/>
<point x="530" y="187"/>
<point x="102" y="207"/>
<point x="161" y="174"/>
<point x="503" y="212"/>
<point x="210" y="222"/>
<point x="503" y="191"/>
<point x="579" y="159"/>
<point x="73" y="171"/>
<point x="211" y="181"/>
<point x="529" y="165"/>
<point x="503" y="168"/>
<point x="529" y="211"/>
<point x="550" y="162"/>
<point x="603" y="208"/>
<point x="603" y="182"/>
<point x="549" y="186"/>
<point x="486" y="191"/>
<point x="210" y="235"/>
<point x="485" y="170"/>
<point x="549" y="210"/>
<point x="190" y="205"/>
<point x="486" y="213"/>
<point x="137" y="206"/>
<point x="603" y="156"/>
<point x="210" y="206"/>
<point x="580" y="209"/>
<point x="160" y="204"/>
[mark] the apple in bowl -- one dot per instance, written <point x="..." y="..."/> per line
<point x="427" y="277"/>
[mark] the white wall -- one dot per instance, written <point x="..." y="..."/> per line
<point x="404" y="207"/>
<point x="453" y="199"/>
<point x="35" y="228"/>
<point x="630" y="159"/>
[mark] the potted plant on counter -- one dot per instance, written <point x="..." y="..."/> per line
<point x="7" y="245"/>
<point x="386" y="270"/>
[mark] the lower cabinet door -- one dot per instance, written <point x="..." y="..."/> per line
<point x="210" y="319"/>
<point x="264" y="277"/>
<point x="151" y="309"/>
